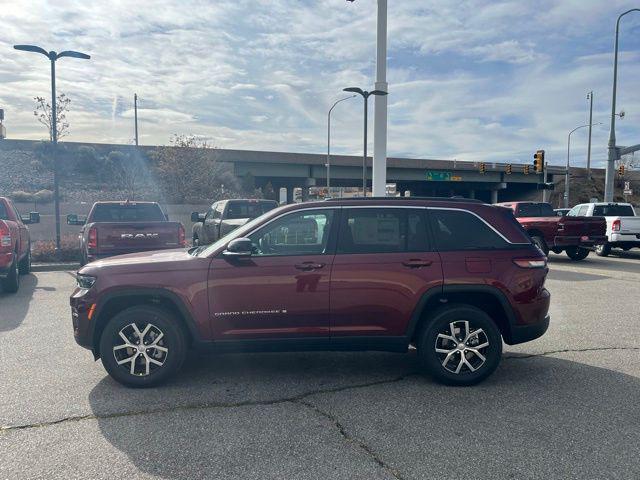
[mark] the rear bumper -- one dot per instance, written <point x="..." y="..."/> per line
<point x="526" y="333"/>
<point x="627" y="238"/>
<point x="579" y="241"/>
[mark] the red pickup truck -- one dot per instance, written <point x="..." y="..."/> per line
<point x="15" y="245"/>
<point x="573" y="235"/>
<point x="116" y="228"/>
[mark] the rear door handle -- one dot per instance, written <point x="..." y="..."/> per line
<point x="417" y="263"/>
<point x="308" y="266"/>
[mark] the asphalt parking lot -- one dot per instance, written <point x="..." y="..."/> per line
<point x="563" y="406"/>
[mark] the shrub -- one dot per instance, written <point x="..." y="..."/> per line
<point x="45" y="250"/>
<point x="22" y="197"/>
<point x="43" y="196"/>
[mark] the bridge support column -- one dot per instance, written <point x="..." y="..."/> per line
<point x="472" y="193"/>
<point x="305" y="193"/>
<point x="494" y="196"/>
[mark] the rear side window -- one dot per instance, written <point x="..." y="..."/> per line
<point x="113" y="212"/>
<point x="460" y="230"/>
<point x="535" y="210"/>
<point x="382" y="230"/>
<point x="613" y="211"/>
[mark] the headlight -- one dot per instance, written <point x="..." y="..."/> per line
<point x="85" y="281"/>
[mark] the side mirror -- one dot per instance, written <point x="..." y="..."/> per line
<point x="197" y="217"/>
<point x="239" y="248"/>
<point x="73" y="219"/>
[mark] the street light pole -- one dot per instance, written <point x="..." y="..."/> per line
<point x="53" y="57"/>
<point x="379" y="168"/>
<point x="135" y="114"/>
<point x="329" y="141"/>
<point x="590" y="96"/>
<point x="365" y="95"/>
<point x="613" y="154"/>
<point x="566" y="178"/>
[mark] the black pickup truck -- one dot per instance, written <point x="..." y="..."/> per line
<point x="116" y="228"/>
<point x="225" y="216"/>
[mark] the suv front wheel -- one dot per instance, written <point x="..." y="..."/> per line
<point x="461" y="345"/>
<point x="142" y="346"/>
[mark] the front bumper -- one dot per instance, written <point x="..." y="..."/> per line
<point x="81" y="306"/>
<point x="579" y="241"/>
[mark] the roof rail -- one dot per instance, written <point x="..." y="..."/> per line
<point x="432" y="199"/>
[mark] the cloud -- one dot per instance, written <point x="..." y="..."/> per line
<point x="469" y="79"/>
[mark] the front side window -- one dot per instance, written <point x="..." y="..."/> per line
<point x="461" y="230"/>
<point x="299" y="233"/>
<point x="382" y="230"/>
<point x="211" y="213"/>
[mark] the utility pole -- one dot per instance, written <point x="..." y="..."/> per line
<point x="135" y="113"/>
<point x="379" y="170"/>
<point x="590" y="97"/>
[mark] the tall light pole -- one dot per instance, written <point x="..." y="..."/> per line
<point x="365" y="95"/>
<point x="614" y="154"/>
<point x="590" y="97"/>
<point x="135" y="114"/>
<point x="379" y="170"/>
<point x="53" y="57"/>
<point x="566" y="178"/>
<point x="329" y="140"/>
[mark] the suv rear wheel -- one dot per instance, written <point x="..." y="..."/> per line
<point x="142" y="346"/>
<point x="461" y="345"/>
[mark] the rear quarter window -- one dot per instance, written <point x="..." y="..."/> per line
<point x="462" y="230"/>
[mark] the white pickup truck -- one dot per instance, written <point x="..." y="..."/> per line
<point x="623" y="226"/>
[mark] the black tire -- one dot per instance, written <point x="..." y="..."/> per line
<point x="577" y="253"/>
<point x="173" y="341"/>
<point x="432" y="361"/>
<point x="603" y="250"/>
<point x="25" y="263"/>
<point x="541" y="244"/>
<point x="11" y="284"/>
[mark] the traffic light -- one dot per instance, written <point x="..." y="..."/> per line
<point x="483" y="167"/>
<point x="525" y="169"/>
<point x="538" y="161"/>
<point x="621" y="170"/>
<point x="508" y="170"/>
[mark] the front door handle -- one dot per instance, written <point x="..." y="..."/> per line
<point x="308" y="266"/>
<point x="417" y="263"/>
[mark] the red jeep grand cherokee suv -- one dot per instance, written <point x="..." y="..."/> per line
<point x="451" y="277"/>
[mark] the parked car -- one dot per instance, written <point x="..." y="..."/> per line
<point x="15" y="245"/>
<point x="225" y="216"/>
<point x="561" y="212"/>
<point x="573" y="235"/>
<point x="117" y="228"/>
<point x="452" y="277"/>
<point x="623" y="226"/>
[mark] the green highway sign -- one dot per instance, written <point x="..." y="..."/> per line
<point x="442" y="177"/>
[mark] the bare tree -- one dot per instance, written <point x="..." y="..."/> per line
<point x="44" y="115"/>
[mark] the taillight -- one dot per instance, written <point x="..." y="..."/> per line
<point x="615" y="226"/>
<point x="92" y="242"/>
<point x="181" y="237"/>
<point x="5" y="235"/>
<point x="530" y="262"/>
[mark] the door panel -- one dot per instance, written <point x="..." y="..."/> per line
<point x="374" y="292"/>
<point x="282" y="290"/>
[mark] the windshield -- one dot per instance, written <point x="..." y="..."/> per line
<point x="114" y="212"/>
<point x="535" y="210"/>
<point x="237" y="233"/>
<point x="613" y="210"/>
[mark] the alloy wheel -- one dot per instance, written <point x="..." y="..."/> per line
<point x="460" y="348"/>
<point x="143" y="351"/>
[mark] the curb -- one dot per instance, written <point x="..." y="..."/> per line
<point x="54" y="267"/>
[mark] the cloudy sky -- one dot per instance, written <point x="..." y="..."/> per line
<point x="472" y="80"/>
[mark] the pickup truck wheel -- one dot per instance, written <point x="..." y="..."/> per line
<point x="25" y="263"/>
<point x="577" y="253"/>
<point x="460" y="345"/>
<point x="541" y="244"/>
<point x="11" y="283"/>
<point x="196" y="241"/>
<point x="142" y="346"/>
<point x="603" y="250"/>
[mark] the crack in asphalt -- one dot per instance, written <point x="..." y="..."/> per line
<point x="348" y="438"/>
<point x="291" y="399"/>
